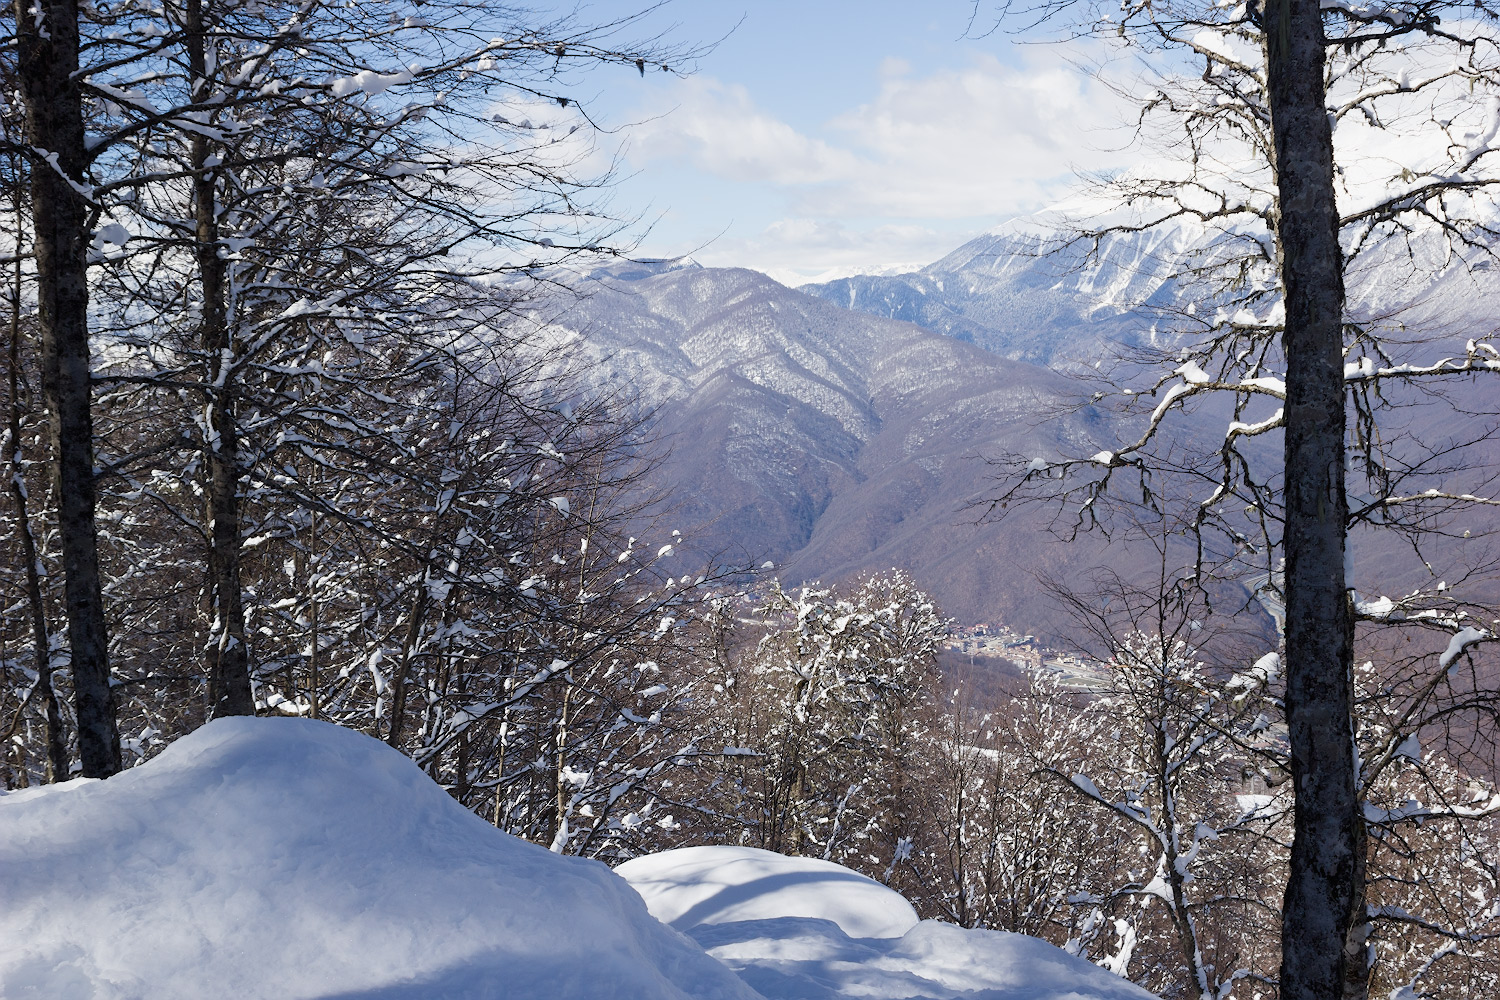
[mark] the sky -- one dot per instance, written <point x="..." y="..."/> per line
<point x="829" y="137"/>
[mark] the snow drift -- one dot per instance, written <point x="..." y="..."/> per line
<point x="803" y="929"/>
<point x="692" y="886"/>
<point x="285" y="858"/>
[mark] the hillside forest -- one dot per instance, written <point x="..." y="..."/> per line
<point x="303" y="419"/>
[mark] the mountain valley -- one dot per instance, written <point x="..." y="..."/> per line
<point x="831" y="442"/>
<point x="845" y="427"/>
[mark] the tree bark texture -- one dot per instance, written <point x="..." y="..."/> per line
<point x="403" y="668"/>
<point x="47" y="46"/>
<point x="227" y="653"/>
<point x="57" y="747"/>
<point x="1325" y="885"/>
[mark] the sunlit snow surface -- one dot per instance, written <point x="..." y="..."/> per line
<point x="799" y="929"/>
<point x="717" y="885"/>
<point x="284" y="858"/>
<point x="289" y="859"/>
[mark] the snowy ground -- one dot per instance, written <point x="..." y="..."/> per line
<point x="801" y="929"/>
<point x="283" y="858"/>
<point x="286" y="859"/>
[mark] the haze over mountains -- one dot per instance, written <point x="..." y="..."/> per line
<point x="827" y="440"/>
<point x="843" y="427"/>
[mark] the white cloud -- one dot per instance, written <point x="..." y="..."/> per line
<point x="902" y="173"/>
<point x="719" y="129"/>
<point x="985" y="140"/>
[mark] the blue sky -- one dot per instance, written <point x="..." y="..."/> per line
<point x="836" y="136"/>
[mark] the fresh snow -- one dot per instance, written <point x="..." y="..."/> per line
<point x="285" y="859"/>
<point x="1459" y="644"/>
<point x="692" y="886"/>
<point x="799" y="959"/>
<point x="803" y="929"/>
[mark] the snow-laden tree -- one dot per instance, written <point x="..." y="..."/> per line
<point x="829" y="713"/>
<point x="1316" y="149"/>
<point x="263" y="189"/>
<point x="1197" y="776"/>
<point x="336" y="164"/>
<point x="537" y="652"/>
<point x="1434" y="878"/>
<point x="1195" y="910"/>
<point x="48" y="77"/>
<point x="1001" y="846"/>
<point x="29" y="694"/>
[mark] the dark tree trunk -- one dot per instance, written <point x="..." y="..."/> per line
<point x="1325" y="885"/>
<point x="47" y="47"/>
<point x="57" y="747"/>
<point x="403" y="668"/>
<point x="228" y="655"/>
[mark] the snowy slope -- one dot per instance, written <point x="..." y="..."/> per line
<point x="802" y="929"/>
<point x="694" y="886"/>
<point x="284" y="858"/>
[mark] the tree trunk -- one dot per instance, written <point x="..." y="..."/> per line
<point x="403" y="668"/>
<point x="228" y="655"/>
<point x="1325" y="885"/>
<point x="57" y="747"/>
<point x="315" y="611"/>
<point x="47" y="44"/>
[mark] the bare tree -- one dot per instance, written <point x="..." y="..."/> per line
<point x="47" y="39"/>
<point x="256" y="172"/>
<point x="18" y="442"/>
<point x="831" y="709"/>
<point x="1262" y="183"/>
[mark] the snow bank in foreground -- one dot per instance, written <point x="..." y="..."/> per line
<point x="793" y="958"/>
<point x="284" y="858"/>
<point x="716" y="885"/>
<point x="793" y="929"/>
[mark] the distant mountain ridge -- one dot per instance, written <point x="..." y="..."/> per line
<point x="828" y="441"/>
<point x="842" y="427"/>
<point x="1027" y="293"/>
<point x="1015" y="294"/>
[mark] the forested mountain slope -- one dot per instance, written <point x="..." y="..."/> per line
<point x="843" y="427"/>
<point x="826" y="440"/>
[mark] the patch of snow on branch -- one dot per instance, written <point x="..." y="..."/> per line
<point x="368" y="81"/>
<point x="1466" y="637"/>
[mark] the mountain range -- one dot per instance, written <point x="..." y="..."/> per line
<point x="845" y="427"/>
<point x="828" y="441"/>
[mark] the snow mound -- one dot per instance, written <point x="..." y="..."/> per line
<point x="692" y="886"/>
<point x="800" y="929"/>
<point x="793" y="958"/>
<point x="285" y="858"/>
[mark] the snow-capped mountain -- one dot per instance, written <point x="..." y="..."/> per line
<point x="824" y="439"/>
<point x="1013" y="292"/>
<point x="1023" y="292"/>
<point x="843" y="427"/>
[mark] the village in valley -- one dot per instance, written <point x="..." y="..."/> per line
<point x="1001" y="642"/>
